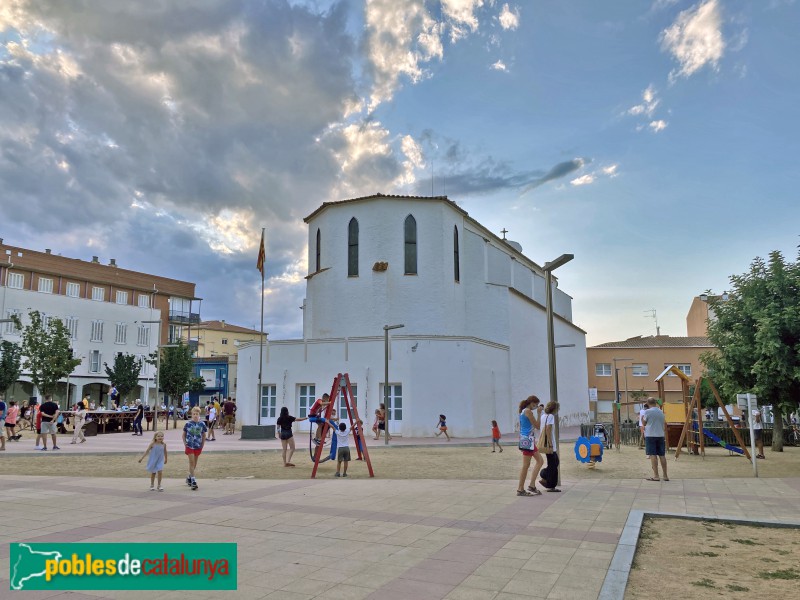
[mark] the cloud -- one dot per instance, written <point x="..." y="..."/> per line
<point x="648" y="105"/>
<point x="509" y="19"/>
<point x="609" y="171"/>
<point x="695" y="39"/>
<point x="558" y="171"/>
<point x="583" y="180"/>
<point x="658" y="125"/>
<point x="500" y="66"/>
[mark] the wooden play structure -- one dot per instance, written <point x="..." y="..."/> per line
<point x="694" y="434"/>
<point x="341" y="388"/>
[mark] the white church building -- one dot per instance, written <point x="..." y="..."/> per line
<point x="472" y="305"/>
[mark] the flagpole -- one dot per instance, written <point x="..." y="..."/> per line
<point x="262" y="258"/>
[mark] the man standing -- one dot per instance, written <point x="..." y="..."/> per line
<point x="758" y="431"/>
<point x="229" y="409"/>
<point x="3" y="410"/>
<point x="654" y="442"/>
<point x="49" y="411"/>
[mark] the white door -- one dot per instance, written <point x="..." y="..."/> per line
<point x="394" y="408"/>
<point x="269" y="405"/>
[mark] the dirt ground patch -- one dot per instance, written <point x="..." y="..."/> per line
<point x="682" y="558"/>
<point x="436" y="462"/>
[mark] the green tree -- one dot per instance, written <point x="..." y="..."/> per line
<point x="10" y="364"/>
<point x="177" y="368"/>
<point x="757" y="335"/>
<point x="48" y="355"/>
<point x="197" y="384"/>
<point x="124" y="374"/>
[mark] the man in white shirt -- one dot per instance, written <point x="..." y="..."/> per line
<point x="654" y="438"/>
<point x="758" y="431"/>
<point x="641" y="425"/>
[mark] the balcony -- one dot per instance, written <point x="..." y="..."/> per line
<point x="179" y="316"/>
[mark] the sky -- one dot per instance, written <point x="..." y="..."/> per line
<point x="656" y="141"/>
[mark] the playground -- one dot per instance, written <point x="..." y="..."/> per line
<point x="432" y="461"/>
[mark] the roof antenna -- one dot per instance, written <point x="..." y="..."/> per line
<point x="652" y="314"/>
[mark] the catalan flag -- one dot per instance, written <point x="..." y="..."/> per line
<point x="262" y="255"/>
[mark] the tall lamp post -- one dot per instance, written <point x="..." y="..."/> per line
<point x="551" y="344"/>
<point x="386" y="329"/>
<point x="617" y="415"/>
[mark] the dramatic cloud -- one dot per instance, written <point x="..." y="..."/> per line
<point x="560" y="170"/>
<point x="695" y="39"/>
<point x="509" y="19"/>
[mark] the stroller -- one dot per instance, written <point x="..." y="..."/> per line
<point x="600" y="432"/>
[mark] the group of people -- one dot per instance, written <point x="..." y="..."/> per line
<point x="536" y="437"/>
<point x="220" y="414"/>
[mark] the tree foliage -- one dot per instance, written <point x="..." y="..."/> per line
<point x="47" y="351"/>
<point x="124" y="374"/>
<point x="177" y="368"/>
<point x="10" y="364"/>
<point x="757" y="336"/>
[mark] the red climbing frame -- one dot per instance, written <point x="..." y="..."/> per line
<point x="341" y="384"/>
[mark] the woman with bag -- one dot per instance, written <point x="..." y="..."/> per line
<point x="528" y="423"/>
<point x="285" y="422"/>
<point x="549" y="478"/>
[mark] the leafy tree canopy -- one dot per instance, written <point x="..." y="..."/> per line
<point x="757" y="335"/>
<point x="10" y="364"/>
<point x="177" y="368"/>
<point x="47" y="351"/>
<point x="125" y="373"/>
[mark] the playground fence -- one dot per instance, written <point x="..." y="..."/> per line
<point x="629" y="433"/>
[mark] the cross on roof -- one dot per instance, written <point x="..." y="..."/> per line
<point x="504" y="231"/>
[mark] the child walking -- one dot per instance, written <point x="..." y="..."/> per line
<point x="194" y="438"/>
<point x="496" y="436"/>
<point x="443" y="427"/>
<point x="157" y="459"/>
<point x="342" y="450"/>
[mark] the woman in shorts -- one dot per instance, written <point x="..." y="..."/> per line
<point x="529" y="422"/>
<point x="285" y="422"/>
<point x="382" y="421"/>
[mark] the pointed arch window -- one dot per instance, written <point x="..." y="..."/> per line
<point x="352" y="248"/>
<point x="410" y="231"/>
<point x="318" y="262"/>
<point x="456" y="266"/>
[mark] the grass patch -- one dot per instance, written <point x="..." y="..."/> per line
<point x="745" y="542"/>
<point x="788" y="574"/>
<point x="709" y="554"/>
<point x="705" y="582"/>
<point x="737" y="588"/>
<point x="781" y="552"/>
<point x="769" y="560"/>
<point x="718" y="546"/>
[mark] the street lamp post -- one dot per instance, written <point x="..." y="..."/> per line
<point x="617" y="415"/>
<point x="551" y="344"/>
<point x="386" y="329"/>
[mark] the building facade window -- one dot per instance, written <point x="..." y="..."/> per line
<point x="98" y="294"/>
<point x="410" y="237"/>
<point x="122" y="297"/>
<point x="305" y="398"/>
<point x="97" y="331"/>
<point x="16" y="281"/>
<point x="224" y="341"/>
<point x="95" y="361"/>
<point x="121" y="334"/>
<point x="318" y="250"/>
<point x="45" y="285"/>
<point x="11" y="328"/>
<point x="602" y="369"/>
<point x="640" y="370"/>
<point x="343" y="405"/>
<point x="144" y="301"/>
<point x="269" y="401"/>
<point x="143" y="335"/>
<point x="456" y="266"/>
<point x="352" y="248"/>
<point x="71" y="323"/>
<point x="73" y="289"/>
<point x="175" y="333"/>
<point x="685" y="368"/>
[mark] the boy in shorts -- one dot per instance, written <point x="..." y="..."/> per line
<point x="194" y="438"/>
<point x="343" y="450"/>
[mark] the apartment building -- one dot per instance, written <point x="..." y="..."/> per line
<point x="108" y="310"/>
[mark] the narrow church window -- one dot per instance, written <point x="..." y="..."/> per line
<point x="318" y="264"/>
<point x="352" y="248"/>
<point x="456" y="268"/>
<point x="411" y="245"/>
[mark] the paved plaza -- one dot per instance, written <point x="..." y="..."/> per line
<point x="384" y="539"/>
